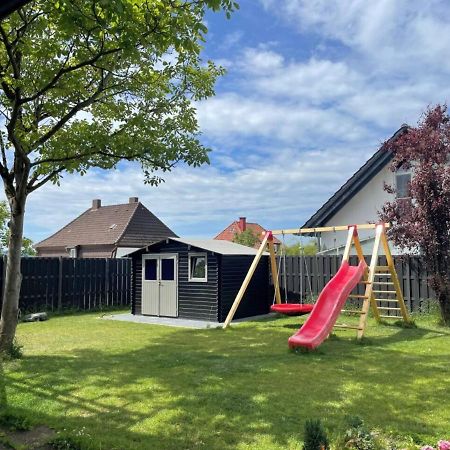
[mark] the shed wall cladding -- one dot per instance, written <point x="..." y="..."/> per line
<point x="257" y="296"/>
<point x="196" y="300"/>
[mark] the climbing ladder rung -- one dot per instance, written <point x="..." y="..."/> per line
<point x="382" y="269"/>
<point x="387" y="308"/>
<point x="384" y="292"/>
<point x="383" y="282"/>
<point x="383" y="274"/>
<point x="391" y="317"/>
<point x="357" y="296"/>
<point x="352" y="311"/>
<point x="349" y="327"/>
<point x="386" y="300"/>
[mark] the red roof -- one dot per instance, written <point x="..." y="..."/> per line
<point x="236" y="228"/>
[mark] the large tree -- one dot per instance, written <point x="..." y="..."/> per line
<point x="90" y="83"/>
<point x="421" y="223"/>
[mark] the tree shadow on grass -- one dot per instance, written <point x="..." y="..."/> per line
<point x="217" y="389"/>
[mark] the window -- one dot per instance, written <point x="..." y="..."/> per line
<point x="198" y="267"/>
<point x="167" y="269"/>
<point x="402" y="182"/>
<point x="150" y="270"/>
<point x="73" y="252"/>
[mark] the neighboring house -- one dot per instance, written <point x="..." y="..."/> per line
<point x="197" y="279"/>
<point x="241" y="225"/>
<point x="106" y="231"/>
<point x="359" y="200"/>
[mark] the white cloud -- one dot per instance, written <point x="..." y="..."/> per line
<point x="390" y="35"/>
<point x="260" y="60"/>
<point x="314" y="80"/>
<point x="281" y="121"/>
<point x="275" y="191"/>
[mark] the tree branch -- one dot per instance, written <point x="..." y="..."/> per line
<point x="10" y="51"/>
<point x="65" y="70"/>
<point x="32" y="187"/>
<point x="78" y="107"/>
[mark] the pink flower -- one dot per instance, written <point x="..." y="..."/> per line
<point x="444" y="445"/>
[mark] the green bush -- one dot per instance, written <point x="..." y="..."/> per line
<point x="315" y="436"/>
<point x="15" y="351"/>
<point x="357" y="436"/>
<point x="64" y="443"/>
<point x="14" y="422"/>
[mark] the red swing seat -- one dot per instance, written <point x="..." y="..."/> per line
<point x="292" y="309"/>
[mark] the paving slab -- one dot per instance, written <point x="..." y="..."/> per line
<point x="178" y="322"/>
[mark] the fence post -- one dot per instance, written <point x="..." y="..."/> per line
<point x="107" y="282"/>
<point x="60" y="282"/>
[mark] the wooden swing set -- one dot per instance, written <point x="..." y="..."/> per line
<point x="374" y="286"/>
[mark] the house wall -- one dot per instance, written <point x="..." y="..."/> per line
<point x="84" y="251"/>
<point x="256" y="299"/>
<point x="362" y="208"/>
<point x="196" y="300"/>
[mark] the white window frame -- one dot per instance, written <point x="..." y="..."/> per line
<point x="198" y="280"/>
<point x="401" y="172"/>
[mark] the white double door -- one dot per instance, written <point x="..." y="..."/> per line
<point x="159" y="285"/>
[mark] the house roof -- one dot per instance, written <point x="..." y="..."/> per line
<point x="129" y="224"/>
<point x="228" y="233"/>
<point x="212" y="245"/>
<point x="347" y="191"/>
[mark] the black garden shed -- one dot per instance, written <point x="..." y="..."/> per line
<point x="197" y="279"/>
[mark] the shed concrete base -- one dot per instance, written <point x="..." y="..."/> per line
<point x="179" y="322"/>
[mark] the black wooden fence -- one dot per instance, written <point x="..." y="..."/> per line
<point x="54" y="284"/>
<point x="298" y="274"/>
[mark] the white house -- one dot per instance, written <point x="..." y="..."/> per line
<point x="359" y="200"/>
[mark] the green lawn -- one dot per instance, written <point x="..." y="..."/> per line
<point x="136" y="386"/>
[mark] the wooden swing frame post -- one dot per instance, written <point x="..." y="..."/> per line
<point x="268" y="239"/>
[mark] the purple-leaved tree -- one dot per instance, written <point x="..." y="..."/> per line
<point x="421" y="223"/>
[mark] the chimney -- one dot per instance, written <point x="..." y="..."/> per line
<point x="96" y="204"/>
<point x="242" y="223"/>
<point x="133" y="200"/>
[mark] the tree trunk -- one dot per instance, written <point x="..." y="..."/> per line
<point x="441" y="286"/>
<point x="13" y="278"/>
<point x="444" y="303"/>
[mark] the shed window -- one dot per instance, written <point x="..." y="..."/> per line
<point x="150" y="269"/>
<point x="402" y="183"/>
<point x="198" y="267"/>
<point x="167" y="269"/>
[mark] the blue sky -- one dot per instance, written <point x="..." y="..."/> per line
<point x="312" y="89"/>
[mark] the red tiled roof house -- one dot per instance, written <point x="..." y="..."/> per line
<point x="241" y="225"/>
<point x="106" y="231"/>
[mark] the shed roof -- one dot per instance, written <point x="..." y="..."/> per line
<point x="211" y="245"/>
<point x="353" y="185"/>
<point x="131" y="223"/>
<point x="218" y="246"/>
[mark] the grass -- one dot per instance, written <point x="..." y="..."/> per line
<point x="116" y="385"/>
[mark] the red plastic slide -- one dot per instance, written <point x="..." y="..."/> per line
<point x="328" y="307"/>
